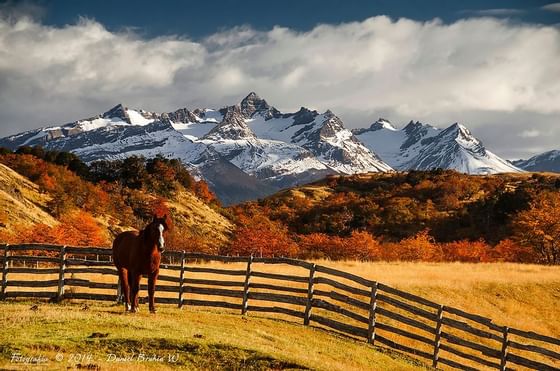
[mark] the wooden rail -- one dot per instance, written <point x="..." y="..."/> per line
<point x="322" y="296"/>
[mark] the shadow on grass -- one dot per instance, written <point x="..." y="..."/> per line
<point x="190" y="354"/>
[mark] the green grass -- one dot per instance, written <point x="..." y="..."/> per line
<point x="199" y="339"/>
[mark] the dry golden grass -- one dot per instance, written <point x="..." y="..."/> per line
<point x="21" y="202"/>
<point x="516" y="295"/>
<point x="193" y="214"/>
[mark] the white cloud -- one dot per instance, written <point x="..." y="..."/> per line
<point x="402" y="69"/>
<point x="532" y="133"/>
<point x="553" y="7"/>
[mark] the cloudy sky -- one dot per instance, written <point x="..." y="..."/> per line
<point x="492" y="65"/>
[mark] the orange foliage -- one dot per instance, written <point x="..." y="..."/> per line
<point x="466" y="251"/>
<point x="510" y="251"/>
<point x="419" y="247"/>
<point x="83" y="229"/>
<point x="360" y="245"/>
<point x="76" y="229"/>
<point x="159" y="207"/>
<point x="202" y="191"/>
<point x="259" y="236"/>
<point x="538" y="227"/>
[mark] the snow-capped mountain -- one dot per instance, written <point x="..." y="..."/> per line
<point x="244" y="151"/>
<point x="421" y="147"/>
<point x="251" y="149"/>
<point x="547" y="161"/>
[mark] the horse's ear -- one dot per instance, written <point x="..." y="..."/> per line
<point x="155" y="218"/>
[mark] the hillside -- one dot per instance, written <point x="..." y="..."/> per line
<point x="417" y="215"/>
<point x="452" y="205"/>
<point x="201" y="340"/>
<point x="21" y="201"/>
<point x="438" y="215"/>
<point x="43" y="201"/>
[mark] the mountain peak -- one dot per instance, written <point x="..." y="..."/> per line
<point x="304" y="116"/>
<point x="232" y="127"/>
<point x="182" y="115"/>
<point x="252" y="96"/>
<point x="412" y="126"/>
<point x="547" y="161"/>
<point x="118" y="111"/>
<point x="459" y="132"/>
<point x="253" y="104"/>
<point x="382" y="123"/>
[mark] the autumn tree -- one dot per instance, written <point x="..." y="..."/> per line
<point x="202" y="191"/>
<point x="258" y="235"/>
<point x="539" y="226"/>
<point x="81" y="229"/>
<point x="421" y="246"/>
<point x="511" y="251"/>
<point x="360" y="245"/>
<point x="466" y="251"/>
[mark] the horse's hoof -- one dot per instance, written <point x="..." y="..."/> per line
<point x="153" y="311"/>
<point x="134" y="310"/>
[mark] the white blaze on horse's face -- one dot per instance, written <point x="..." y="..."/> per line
<point x="161" y="241"/>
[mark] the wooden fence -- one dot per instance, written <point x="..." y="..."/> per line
<point x="446" y="337"/>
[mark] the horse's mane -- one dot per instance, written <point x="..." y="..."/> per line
<point x="143" y="233"/>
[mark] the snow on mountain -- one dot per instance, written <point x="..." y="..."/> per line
<point x="283" y="148"/>
<point x="394" y="146"/>
<point x="232" y="127"/>
<point x="269" y="160"/>
<point x="251" y="149"/>
<point x="547" y="161"/>
<point x="253" y="143"/>
<point x="323" y="135"/>
<point x="422" y="147"/>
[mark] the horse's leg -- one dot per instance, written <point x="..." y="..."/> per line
<point x="152" y="278"/>
<point x="125" y="287"/>
<point x="135" y="288"/>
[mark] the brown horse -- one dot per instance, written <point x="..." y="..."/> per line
<point x="136" y="254"/>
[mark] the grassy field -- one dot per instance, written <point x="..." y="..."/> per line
<point x="516" y="295"/>
<point x="524" y="296"/>
<point x="93" y="336"/>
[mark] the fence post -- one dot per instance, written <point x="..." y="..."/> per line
<point x="4" y="273"/>
<point x="372" y="309"/>
<point x="437" y="340"/>
<point x="307" y="315"/>
<point x="244" y="305"/>
<point x="181" y="275"/>
<point x="62" y="268"/>
<point x="504" y="353"/>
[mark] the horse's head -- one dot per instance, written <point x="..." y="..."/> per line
<point x="156" y="229"/>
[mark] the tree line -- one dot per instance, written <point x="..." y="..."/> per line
<point x="438" y="215"/>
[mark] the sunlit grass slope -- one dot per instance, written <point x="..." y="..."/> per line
<point x="201" y="339"/>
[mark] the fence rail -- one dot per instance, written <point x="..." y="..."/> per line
<point x="319" y="295"/>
